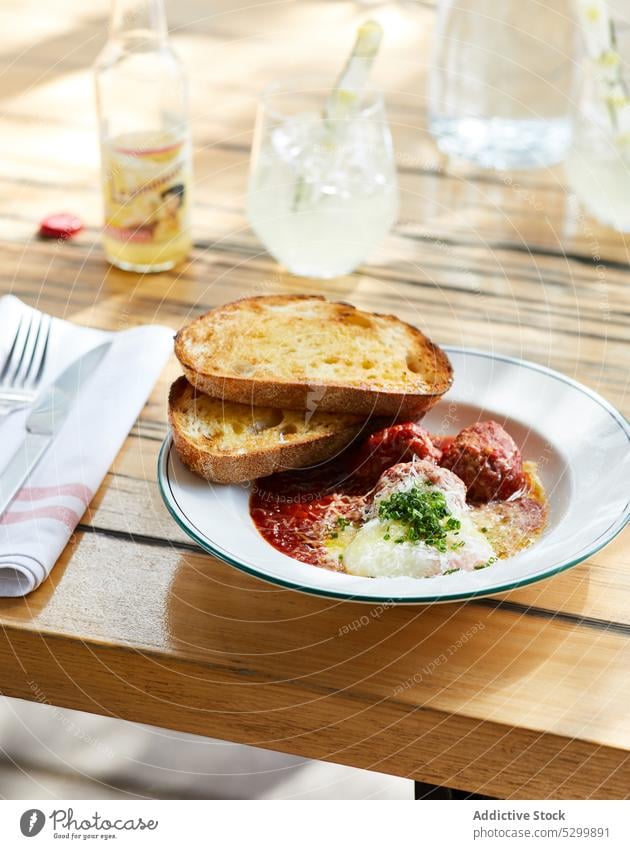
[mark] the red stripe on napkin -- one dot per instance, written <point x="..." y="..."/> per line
<point x="59" y="514"/>
<point x="37" y="493"/>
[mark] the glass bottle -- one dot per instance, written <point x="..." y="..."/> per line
<point x="503" y="80"/>
<point x="144" y="131"/>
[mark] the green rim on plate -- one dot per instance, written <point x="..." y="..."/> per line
<point x="207" y="545"/>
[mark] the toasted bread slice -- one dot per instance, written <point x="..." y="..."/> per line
<point x="227" y="442"/>
<point x="304" y="352"/>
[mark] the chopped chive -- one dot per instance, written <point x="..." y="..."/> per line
<point x="425" y="515"/>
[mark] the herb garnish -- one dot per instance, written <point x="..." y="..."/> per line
<point x="342" y="523"/>
<point x="425" y="515"/>
<point x="489" y="562"/>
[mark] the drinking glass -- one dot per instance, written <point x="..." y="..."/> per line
<point x="322" y="192"/>
<point x="598" y="164"/>
<point x="502" y="81"/>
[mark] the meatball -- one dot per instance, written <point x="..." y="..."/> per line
<point x="487" y="459"/>
<point x="404" y="476"/>
<point x="399" y="443"/>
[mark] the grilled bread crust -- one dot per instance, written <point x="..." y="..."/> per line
<point x="226" y="442"/>
<point x="302" y="352"/>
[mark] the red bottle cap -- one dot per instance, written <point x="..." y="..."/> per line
<point x="62" y="225"/>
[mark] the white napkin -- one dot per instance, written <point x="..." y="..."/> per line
<point x="38" y="524"/>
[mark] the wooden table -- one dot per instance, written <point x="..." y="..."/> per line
<point x="135" y="621"/>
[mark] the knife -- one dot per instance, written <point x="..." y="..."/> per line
<point x="44" y="422"/>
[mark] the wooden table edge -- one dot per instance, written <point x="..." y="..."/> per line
<point x="443" y="748"/>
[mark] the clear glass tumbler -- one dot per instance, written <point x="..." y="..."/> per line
<point x="321" y="192"/>
<point x="502" y="81"/>
<point x="598" y="164"/>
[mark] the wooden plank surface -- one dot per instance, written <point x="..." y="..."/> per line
<point x="523" y="696"/>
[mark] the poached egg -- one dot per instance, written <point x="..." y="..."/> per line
<point x="381" y="546"/>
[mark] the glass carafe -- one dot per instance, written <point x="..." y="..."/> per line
<point x="502" y="81"/>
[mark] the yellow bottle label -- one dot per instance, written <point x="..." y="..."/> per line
<point x="146" y="188"/>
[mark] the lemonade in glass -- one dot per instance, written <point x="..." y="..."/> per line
<point x="322" y="189"/>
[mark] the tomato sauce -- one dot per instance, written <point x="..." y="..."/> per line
<point x="299" y="511"/>
<point x="309" y="514"/>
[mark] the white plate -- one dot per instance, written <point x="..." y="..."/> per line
<point x="578" y="440"/>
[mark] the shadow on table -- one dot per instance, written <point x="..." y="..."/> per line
<point x="460" y="656"/>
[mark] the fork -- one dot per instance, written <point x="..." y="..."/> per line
<point x="22" y="372"/>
